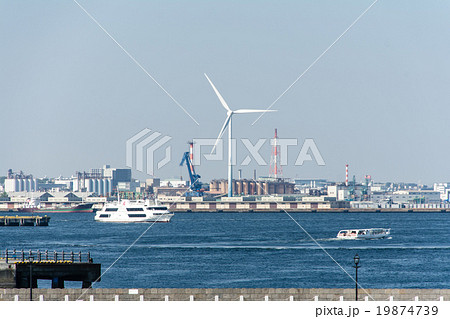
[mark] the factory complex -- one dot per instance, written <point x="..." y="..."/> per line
<point x="272" y="193"/>
<point x="263" y="194"/>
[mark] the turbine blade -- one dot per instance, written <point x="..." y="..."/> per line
<point x="224" y="126"/>
<point x="245" y="111"/>
<point x="225" y="105"/>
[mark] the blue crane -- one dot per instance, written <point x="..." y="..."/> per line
<point x="196" y="185"/>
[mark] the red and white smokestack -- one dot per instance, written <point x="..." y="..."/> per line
<point x="275" y="149"/>
<point x="191" y="155"/>
<point x="346" y="174"/>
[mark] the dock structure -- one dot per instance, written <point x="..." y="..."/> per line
<point x="276" y="204"/>
<point x="23" y="268"/>
<point x="24" y="220"/>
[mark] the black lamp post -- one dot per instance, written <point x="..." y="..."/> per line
<point x="356" y="261"/>
<point x="30" y="259"/>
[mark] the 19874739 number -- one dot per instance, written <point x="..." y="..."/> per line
<point x="407" y="310"/>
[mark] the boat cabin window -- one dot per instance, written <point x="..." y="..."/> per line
<point x="157" y="208"/>
<point x="111" y="209"/>
<point x="104" y="215"/>
<point x="135" y="209"/>
<point x="137" y="215"/>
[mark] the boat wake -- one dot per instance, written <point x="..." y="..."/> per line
<point x="362" y="239"/>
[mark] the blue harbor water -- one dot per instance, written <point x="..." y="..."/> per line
<point x="245" y="250"/>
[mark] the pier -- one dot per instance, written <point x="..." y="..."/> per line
<point x="24" y="220"/>
<point x="22" y="269"/>
<point x="282" y="207"/>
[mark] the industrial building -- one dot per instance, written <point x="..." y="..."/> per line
<point x="103" y="181"/>
<point x="48" y="199"/>
<point x="251" y="187"/>
<point x="408" y="197"/>
<point x="19" y="182"/>
<point x="443" y="189"/>
<point x="252" y="204"/>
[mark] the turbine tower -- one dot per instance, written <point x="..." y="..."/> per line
<point x="228" y="122"/>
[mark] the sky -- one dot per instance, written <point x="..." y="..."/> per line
<point x="377" y="99"/>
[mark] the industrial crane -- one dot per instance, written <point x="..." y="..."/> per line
<point x="196" y="185"/>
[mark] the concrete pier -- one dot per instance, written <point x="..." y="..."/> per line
<point x="225" y="294"/>
<point x="58" y="273"/>
<point x="22" y="269"/>
<point x="24" y="220"/>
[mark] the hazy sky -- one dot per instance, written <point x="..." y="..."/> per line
<point x="378" y="99"/>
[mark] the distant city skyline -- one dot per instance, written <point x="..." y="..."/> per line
<point x="377" y="100"/>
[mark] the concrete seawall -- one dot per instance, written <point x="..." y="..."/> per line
<point x="223" y="294"/>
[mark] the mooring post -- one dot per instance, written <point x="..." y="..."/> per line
<point x="79" y="256"/>
<point x="6" y="255"/>
<point x="23" y="256"/>
<point x="30" y="260"/>
<point x="38" y="255"/>
<point x="71" y="256"/>
<point x="55" y="256"/>
<point x="46" y="254"/>
<point x="89" y="257"/>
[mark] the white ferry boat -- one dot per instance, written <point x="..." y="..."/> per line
<point x="136" y="211"/>
<point x="369" y="233"/>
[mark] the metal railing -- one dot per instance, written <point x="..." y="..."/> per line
<point x="14" y="256"/>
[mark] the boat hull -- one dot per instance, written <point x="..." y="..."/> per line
<point x="110" y="220"/>
<point x="362" y="237"/>
<point x="127" y="211"/>
<point x="370" y="233"/>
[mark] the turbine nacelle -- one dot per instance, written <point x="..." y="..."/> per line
<point x="230" y="113"/>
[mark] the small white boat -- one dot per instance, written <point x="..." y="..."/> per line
<point x="369" y="233"/>
<point x="137" y="211"/>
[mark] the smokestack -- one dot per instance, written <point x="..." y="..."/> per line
<point x="275" y="149"/>
<point x="191" y="155"/>
<point x="275" y="169"/>
<point x="346" y="174"/>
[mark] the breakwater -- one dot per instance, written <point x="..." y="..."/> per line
<point x="225" y="294"/>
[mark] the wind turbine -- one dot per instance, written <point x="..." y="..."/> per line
<point x="228" y="122"/>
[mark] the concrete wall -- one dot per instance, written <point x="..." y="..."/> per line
<point x="232" y="294"/>
<point x="7" y="275"/>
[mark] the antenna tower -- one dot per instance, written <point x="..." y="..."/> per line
<point x="275" y="167"/>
